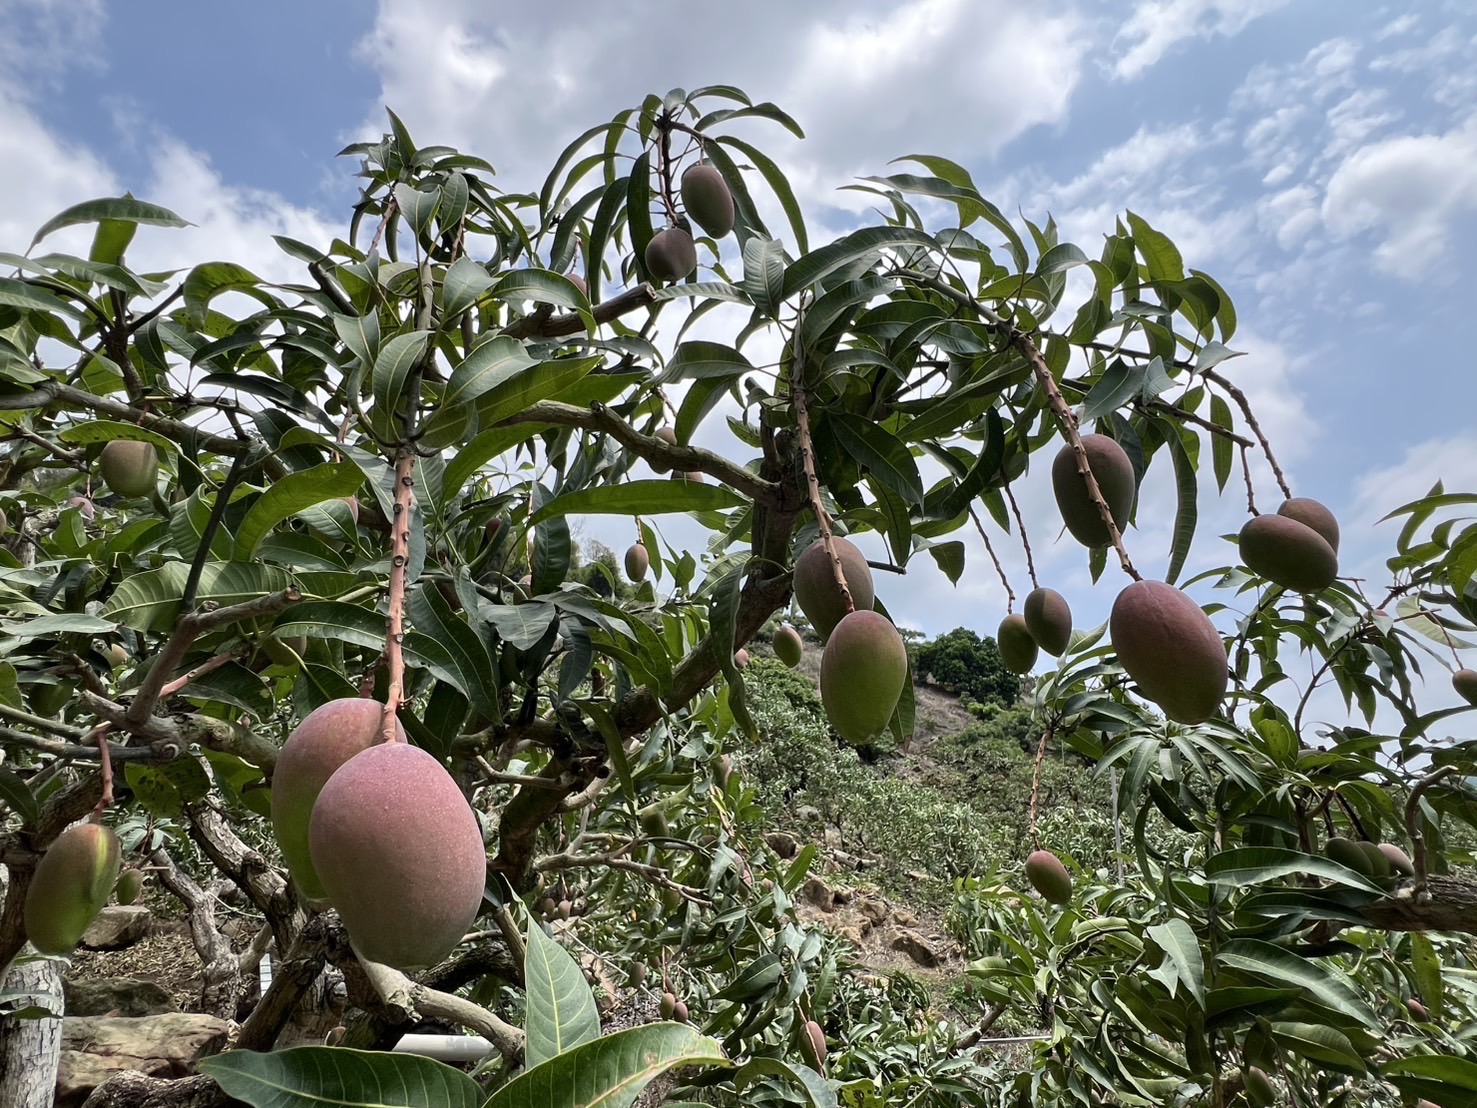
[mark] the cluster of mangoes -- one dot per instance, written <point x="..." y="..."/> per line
<point x="356" y="816"/>
<point x="671" y="255"/>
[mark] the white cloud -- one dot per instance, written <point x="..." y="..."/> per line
<point x="1157" y="26"/>
<point x="44" y="40"/>
<point x="1411" y="190"/>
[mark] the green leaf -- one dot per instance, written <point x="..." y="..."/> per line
<point x="1222" y="449"/>
<point x="1426" y="968"/>
<point x="490" y="364"/>
<point x="290" y="495"/>
<point x="764" y="273"/>
<point x="110" y="240"/>
<point x="722" y="630"/>
<point x="609" y="1072"/>
<point x="561" y="1008"/>
<point x="813" y="1087"/>
<point x="880" y="453"/>
<point x="210" y="279"/>
<point x="392" y="365"/>
<point x="121" y="209"/>
<point x="824" y="260"/>
<point x="528" y="386"/>
<point x="552" y="549"/>
<point x="697" y="360"/>
<point x="1161" y="256"/>
<point x="464" y="284"/>
<point x="323" y="1076"/>
<point x="950" y="559"/>
<point x="642" y="498"/>
<point x="482" y="449"/>
<point x="1187" y="511"/>
<point x="149" y="601"/>
<point x="18" y="294"/>
<point x="1446" y="1079"/>
<point x="419" y="206"/>
<point x="1177" y="939"/>
<point x="16" y="795"/>
<point x="1320" y="1043"/>
<point x="544" y="287"/>
<point x="1325" y="984"/>
<point x="779" y="183"/>
<point x="61" y="623"/>
<point x="105" y="430"/>
<point x="432" y="616"/>
<point x="1252" y="865"/>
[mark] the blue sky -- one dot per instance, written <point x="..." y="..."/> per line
<point x="1318" y="157"/>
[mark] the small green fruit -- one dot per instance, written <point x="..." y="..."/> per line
<point x="788" y="646"/>
<point x="1114" y="474"/>
<point x="671" y="255"/>
<point x="706" y="198"/>
<point x="1349" y="854"/>
<point x="863" y="670"/>
<point x="71" y="884"/>
<point x="1049" y="620"/>
<point x="1260" y="1093"/>
<point x="815" y="584"/>
<point x="130" y="884"/>
<point x="637" y="563"/>
<point x="1017" y="647"/>
<point x="1379" y="865"/>
<point x="129" y="468"/>
<point x="1049" y="877"/>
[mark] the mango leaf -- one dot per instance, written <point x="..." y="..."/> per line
<point x="1222" y="449"/>
<point x="16" y="795"/>
<point x="1323" y="983"/>
<point x="1161" y="257"/>
<point x="121" y="209"/>
<point x="528" y="386"/>
<point x="1177" y="939"/>
<point x="1426" y="968"/>
<point x="696" y="360"/>
<point x="292" y="494"/>
<point x="552" y="548"/>
<point x="324" y="1076"/>
<point x="813" y="1087"/>
<point x="1321" y="1043"/>
<point x="149" y="601"/>
<point x="722" y="630"/>
<point x="561" y="1008"/>
<point x="1250" y="865"/>
<point x="882" y="454"/>
<point x="824" y="260"/>
<point x="432" y="616"/>
<point x="210" y="279"/>
<point x="463" y="286"/>
<point x="609" y="1072"/>
<point x="488" y="365"/>
<point x="106" y="430"/>
<point x="481" y="450"/>
<point x="392" y="367"/>
<point x="642" y="498"/>
<point x="1442" y="1078"/>
<point x="1187" y="512"/>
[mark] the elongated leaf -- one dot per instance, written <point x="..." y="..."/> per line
<point x="1177" y="939"/>
<point x="16" y="795"/>
<point x="1187" y="511"/>
<point x="530" y="385"/>
<point x="544" y="287"/>
<point x="552" y="546"/>
<point x="1320" y="1043"/>
<point x="561" y="1008"/>
<point x="210" y="279"/>
<point x="324" y="1076"/>
<point x="779" y="183"/>
<point x="824" y="260"/>
<point x="464" y="284"/>
<point x="880" y="453"/>
<point x="642" y="498"/>
<point x="764" y="273"/>
<point x="106" y="430"/>
<point x="292" y="494"/>
<point x="1426" y="968"/>
<point x="1324" y="983"/>
<point x="817" y="1092"/>
<point x="481" y="450"/>
<point x="1452" y="1079"/>
<point x="697" y="360"/>
<point x="1251" y="865"/>
<point x="120" y="209"/>
<point x="149" y="601"/>
<point x="1222" y="449"/>
<point x="1161" y="257"/>
<point x="489" y="364"/>
<point x="722" y="629"/>
<point x="392" y="366"/>
<point x="609" y="1072"/>
<point x="432" y="616"/>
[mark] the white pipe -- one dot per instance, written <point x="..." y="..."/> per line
<point x="443" y="1048"/>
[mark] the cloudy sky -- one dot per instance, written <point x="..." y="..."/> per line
<point x="1319" y="157"/>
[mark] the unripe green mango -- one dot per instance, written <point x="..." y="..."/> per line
<point x="788" y="646"/>
<point x="813" y="1045"/>
<point x="1049" y="877"/>
<point x="129" y="468"/>
<point x="1017" y="647"/>
<point x="1312" y="514"/>
<point x="671" y="255"/>
<point x="71" y="884"/>
<point x="1379" y="865"/>
<point x="328" y="737"/>
<point x="1260" y="1092"/>
<point x="130" y="884"/>
<point x="863" y="670"/>
<point x="1464" y="681"/>
<point x="707" y="199"/>
<point x="1349" y="854"/>
<point x="1168" y="645"/>
<point x="1288" y="553"/>
<point x="815" y="584"/>
<point x="668" y="1005"/>
<point x="400" y="853"/>
<point x="637" y="562"/>
<point x="1114" y="474"/>
<point x="1049" y="620"/>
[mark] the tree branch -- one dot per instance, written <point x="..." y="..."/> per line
<point x="572" y="323"/>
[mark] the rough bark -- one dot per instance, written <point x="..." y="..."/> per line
<point x="131" y="1089"/>
<point x="31" y="1049"/>
<point x="1450" y="906"/>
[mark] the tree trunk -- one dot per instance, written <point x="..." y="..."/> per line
<point x="31" y="1049"/>
<point x="131" y="1089"/>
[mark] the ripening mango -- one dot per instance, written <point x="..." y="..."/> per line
<point x="71" y="884"/>
<point x="1049" y="620"/>
<point x="1049" y="877"/>
<point x="1017" y="647"/>
<point x="788" y="646"/>
<point x="815" y="584"/>
<point x="1168" y="645"/>
<point x="671" y="255"/>
<point x="1114" y="475"/>
<point x="129" y="468"/>
<point x="863" y="670"/>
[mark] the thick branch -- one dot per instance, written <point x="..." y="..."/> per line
<point x="399" y="563"/>
<point x="1446" y="904"/>
<point x="415" y="999"/>
<point x="572" y="323"/>
<point x="292" y="976"/>
<point x="222" y="972"/>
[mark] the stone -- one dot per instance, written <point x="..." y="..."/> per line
<point x="917" y="947"/>
<point x="817" y="892"/>
<point x="808" y="813"/>
<point x="94" y="1048"/>
<point x="904" y="917"/>
<point x="128" y="996"/>
<point x="872" y="909"/>
<point x="784" y="844"/>
<point x="118" y="926"/>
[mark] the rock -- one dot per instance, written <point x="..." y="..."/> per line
<point x="843" y="896"/>
<point x="169" y="1045"/>
<point x="782" y="843"/>
<point x="808" y="813"/>
<point x="853" y="935"/>
<point x="917" y="947"/>
<point x="831" y="838"/>
<point x="817" y="892"/>
<point x="905" y="918"/>
<point x="874" y="911"/>
<point x="128" y="996"/>
<point x="118" y="926"/>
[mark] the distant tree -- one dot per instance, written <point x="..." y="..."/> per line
<point x="962" y="662"/>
